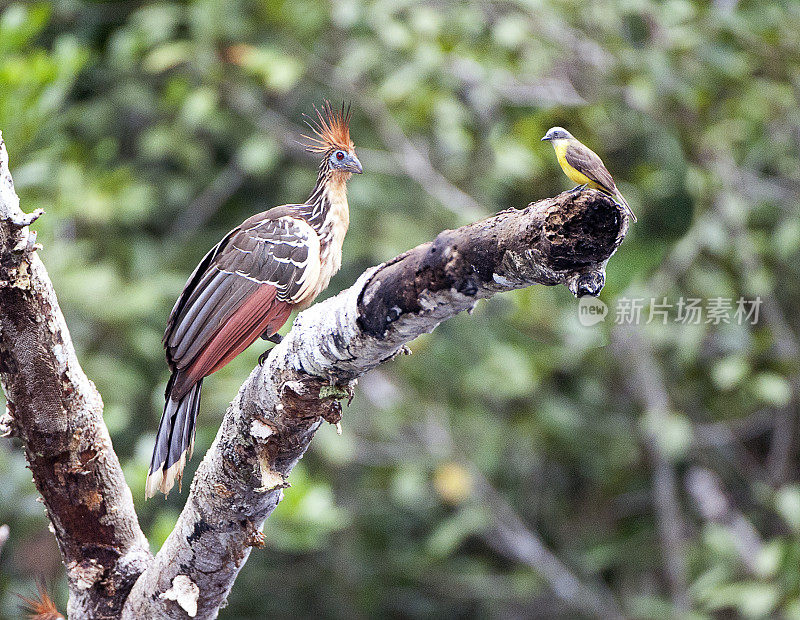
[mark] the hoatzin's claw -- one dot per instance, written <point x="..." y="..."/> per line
<point x="275" y="338"/>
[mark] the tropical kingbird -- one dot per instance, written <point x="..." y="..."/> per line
<point x="584" y="166"/>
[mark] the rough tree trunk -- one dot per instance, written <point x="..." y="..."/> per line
<point x="57" y="413"/>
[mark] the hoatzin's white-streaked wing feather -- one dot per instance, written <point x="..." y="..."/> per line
<point x="267" y="256"/>
<point x="244" y="288"/>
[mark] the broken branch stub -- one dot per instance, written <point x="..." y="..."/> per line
<point x="563" y="240"/>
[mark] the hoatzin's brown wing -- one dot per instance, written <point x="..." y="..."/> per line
<point x="585" y="160"/>
<point x="253" y="277"/>
<point x="243" y="288"/>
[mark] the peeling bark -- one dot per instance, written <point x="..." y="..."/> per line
<point x="57" y="413"/>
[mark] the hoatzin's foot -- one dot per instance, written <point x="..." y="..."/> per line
<point x="276" y="338"/>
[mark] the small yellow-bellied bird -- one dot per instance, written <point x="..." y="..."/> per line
<point x="248" y="285"/>
<point x="583" y="165"/>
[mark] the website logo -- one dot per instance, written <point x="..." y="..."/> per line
<point x="591" y="311"/>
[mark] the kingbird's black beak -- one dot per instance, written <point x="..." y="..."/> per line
<point x="545" y="139"/>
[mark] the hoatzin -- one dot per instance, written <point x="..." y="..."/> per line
<point x="247" y="286"/>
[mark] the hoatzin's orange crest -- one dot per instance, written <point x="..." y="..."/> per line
<point x="331" y="129"/>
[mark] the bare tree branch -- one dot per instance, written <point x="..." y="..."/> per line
<point x="204" y="206"/>
<point x="417" y="165"/>
<point x="57" y="413"/>
<point x="505" y="532"/>
<point x="785" y="342"/>
<point x="542" y="91"/>
<point x="509" y="535"/>
<point x="413" y="160"/>
<point x="713" y="505"/>
<point x="564" y="240"/>
<point x="647" y="383"/>
<point x="270" y="121"/>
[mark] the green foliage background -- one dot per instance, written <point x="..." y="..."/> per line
<point x="147" y="130"/>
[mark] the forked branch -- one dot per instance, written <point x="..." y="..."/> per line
<point x="57" y="413"/>
<point x="563" y="240"/>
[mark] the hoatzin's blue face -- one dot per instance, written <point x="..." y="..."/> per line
<point x="343" y="160"/>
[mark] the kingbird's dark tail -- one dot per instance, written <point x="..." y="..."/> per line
<point x="174" y="440"/>
<point x="624" y="204"/>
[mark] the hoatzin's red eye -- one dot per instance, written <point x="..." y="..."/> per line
<point x="339" y="155"/>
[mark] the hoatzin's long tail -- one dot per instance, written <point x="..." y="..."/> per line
<point x="175" y="438"/>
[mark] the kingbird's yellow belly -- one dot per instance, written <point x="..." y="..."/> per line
<point x="572" y="173"/>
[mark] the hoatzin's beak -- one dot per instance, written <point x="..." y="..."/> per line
<point x="351" y="164"/>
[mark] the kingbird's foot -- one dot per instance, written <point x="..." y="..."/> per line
<point x="276" y="338"/>
<point x="579" y="189"/>
<point x="263" y="357"/>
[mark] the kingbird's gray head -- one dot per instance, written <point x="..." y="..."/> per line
<point x="557" y="133"/>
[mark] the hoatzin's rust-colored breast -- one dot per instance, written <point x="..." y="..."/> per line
<point x="246" y="287"/>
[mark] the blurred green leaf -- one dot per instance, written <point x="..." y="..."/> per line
<point x="787" y="503"/>
<point x="773" y="389"/>
<point x="452" y="531"/>
<point x="672" y="432"/>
